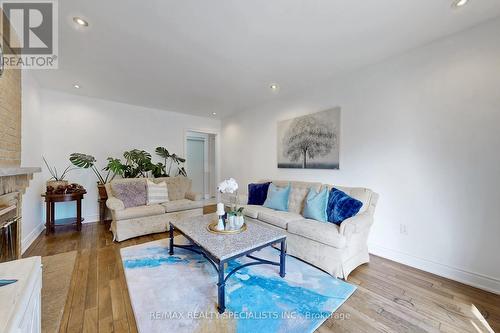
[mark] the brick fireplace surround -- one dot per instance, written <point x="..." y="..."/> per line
<point x="14" y="179"/>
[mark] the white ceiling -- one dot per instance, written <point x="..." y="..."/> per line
<point x="199" y="57"/>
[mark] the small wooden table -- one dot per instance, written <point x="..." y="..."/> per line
<point x="51" y="199"/>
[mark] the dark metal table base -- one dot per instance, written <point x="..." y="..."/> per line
<point x="219" y="264"/>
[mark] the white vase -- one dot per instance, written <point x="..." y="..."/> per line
<point x="230" y="224"/>
<point x="238" y="221"/>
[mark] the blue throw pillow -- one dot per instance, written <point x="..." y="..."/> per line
<point x="316" y="203"/>
<point x="341" y="206"/>
<point x="277" y="198"/>
<point x="257" y="193"/>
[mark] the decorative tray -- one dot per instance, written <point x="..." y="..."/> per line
<point x="212" y="227"/>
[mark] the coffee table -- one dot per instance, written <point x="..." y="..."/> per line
<point x="219" y="249"/>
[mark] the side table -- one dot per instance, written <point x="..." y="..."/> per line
<point x="51" y="199"/>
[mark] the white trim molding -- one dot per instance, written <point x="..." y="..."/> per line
<point x="29" y="239"/>
<point x="90" y="218"/>
<point x="480" y="281"/>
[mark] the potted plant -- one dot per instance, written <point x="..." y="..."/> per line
<point x="86" y="161"/>
<point x="138" y="163"/>
<point x="161" y="170"/>
<point x="57" y="179"/>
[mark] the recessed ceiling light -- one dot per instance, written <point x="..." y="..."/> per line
<point x="80" y="21"/>
<point x="76" y="86"/>
<point x="459" y="3"/>
<point x="214" y="113"/>
<point x="274" y="87"/>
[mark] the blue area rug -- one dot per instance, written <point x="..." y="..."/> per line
<point x="179" y="294"/>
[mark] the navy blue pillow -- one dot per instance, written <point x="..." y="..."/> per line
<point x="341" y="206"/>
<point x="257" y="193"/>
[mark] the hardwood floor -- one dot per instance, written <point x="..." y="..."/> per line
<point x="390" y="297"/>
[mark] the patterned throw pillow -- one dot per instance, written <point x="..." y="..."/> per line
<point x="341" y="206"/>
<point x="157" y="193"/>
<point x="132" y="194"/>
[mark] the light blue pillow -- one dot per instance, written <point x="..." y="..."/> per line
<point x="316" y="205"/>
<point x="277" y="198"/>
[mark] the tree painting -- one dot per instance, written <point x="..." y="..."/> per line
<point x="310" y="141"/>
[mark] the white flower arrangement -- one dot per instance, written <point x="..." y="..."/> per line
<point x="228" y="186"/>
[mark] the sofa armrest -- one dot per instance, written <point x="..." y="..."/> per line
<point x="115" y="204"/>
<point x="193" y="196"/>
<point x="356" y="224"/>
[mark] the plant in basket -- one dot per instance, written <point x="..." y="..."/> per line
<point x="57" y="179"/>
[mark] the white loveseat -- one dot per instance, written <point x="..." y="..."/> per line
<point x="143" y="220"/>
<point x="338" y="250"/>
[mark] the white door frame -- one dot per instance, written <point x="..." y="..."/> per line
<point x="217" y="147"/>
<point x="203" y="139"/>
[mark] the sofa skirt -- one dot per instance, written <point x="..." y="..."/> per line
<point x="126" y="229"/>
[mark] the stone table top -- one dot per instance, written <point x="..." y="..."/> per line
<point x="223" y="247"/>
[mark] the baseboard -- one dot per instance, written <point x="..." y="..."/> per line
<point x="480" y="281"/>
<point x="28" y="240"/>
<point x="91" y="218"/>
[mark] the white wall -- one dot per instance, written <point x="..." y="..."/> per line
<point x="102" y="128"/>
<point x="423" y="130"/>
<point x="31" y="151"/>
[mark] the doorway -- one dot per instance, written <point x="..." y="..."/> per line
<point x="200" y="162"/>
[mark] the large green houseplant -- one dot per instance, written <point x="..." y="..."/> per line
<point x="86" y="161"/>
<point x="137" y="163"/>
<point x="171" y="159"/>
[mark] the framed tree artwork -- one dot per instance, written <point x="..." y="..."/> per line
<point x="311" y="141"/>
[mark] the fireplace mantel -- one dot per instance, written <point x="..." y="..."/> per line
<point x="16" y="171"/>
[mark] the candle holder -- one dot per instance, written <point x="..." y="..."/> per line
<point x="221" y="223"/>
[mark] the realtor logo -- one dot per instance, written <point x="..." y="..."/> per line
<point x="30" y="34"/>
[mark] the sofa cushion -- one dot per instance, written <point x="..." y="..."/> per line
<point x="297" y="199"/>
<point x="298" y="193"/>
<point x="316" y="203"/>
<point x="177" y="186"/>
<point x="277" y="198"/>
<point x="157" y="193"/>
<point x="341" y="206"/>
<point x="253" y="211"/>
<point x="131" y="192"/>
<point x="326" y="233"/>
<point x="279" y="218"/>
<point x="257" y="193"/>
<point x="182" y="204"/>
<point x="139" y="211"/>
<point x="360" y="193"/>
<point x="193" y="196"/>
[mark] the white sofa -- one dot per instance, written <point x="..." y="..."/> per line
<point x="143" y="220"/>
<point x="338" y="250"/>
